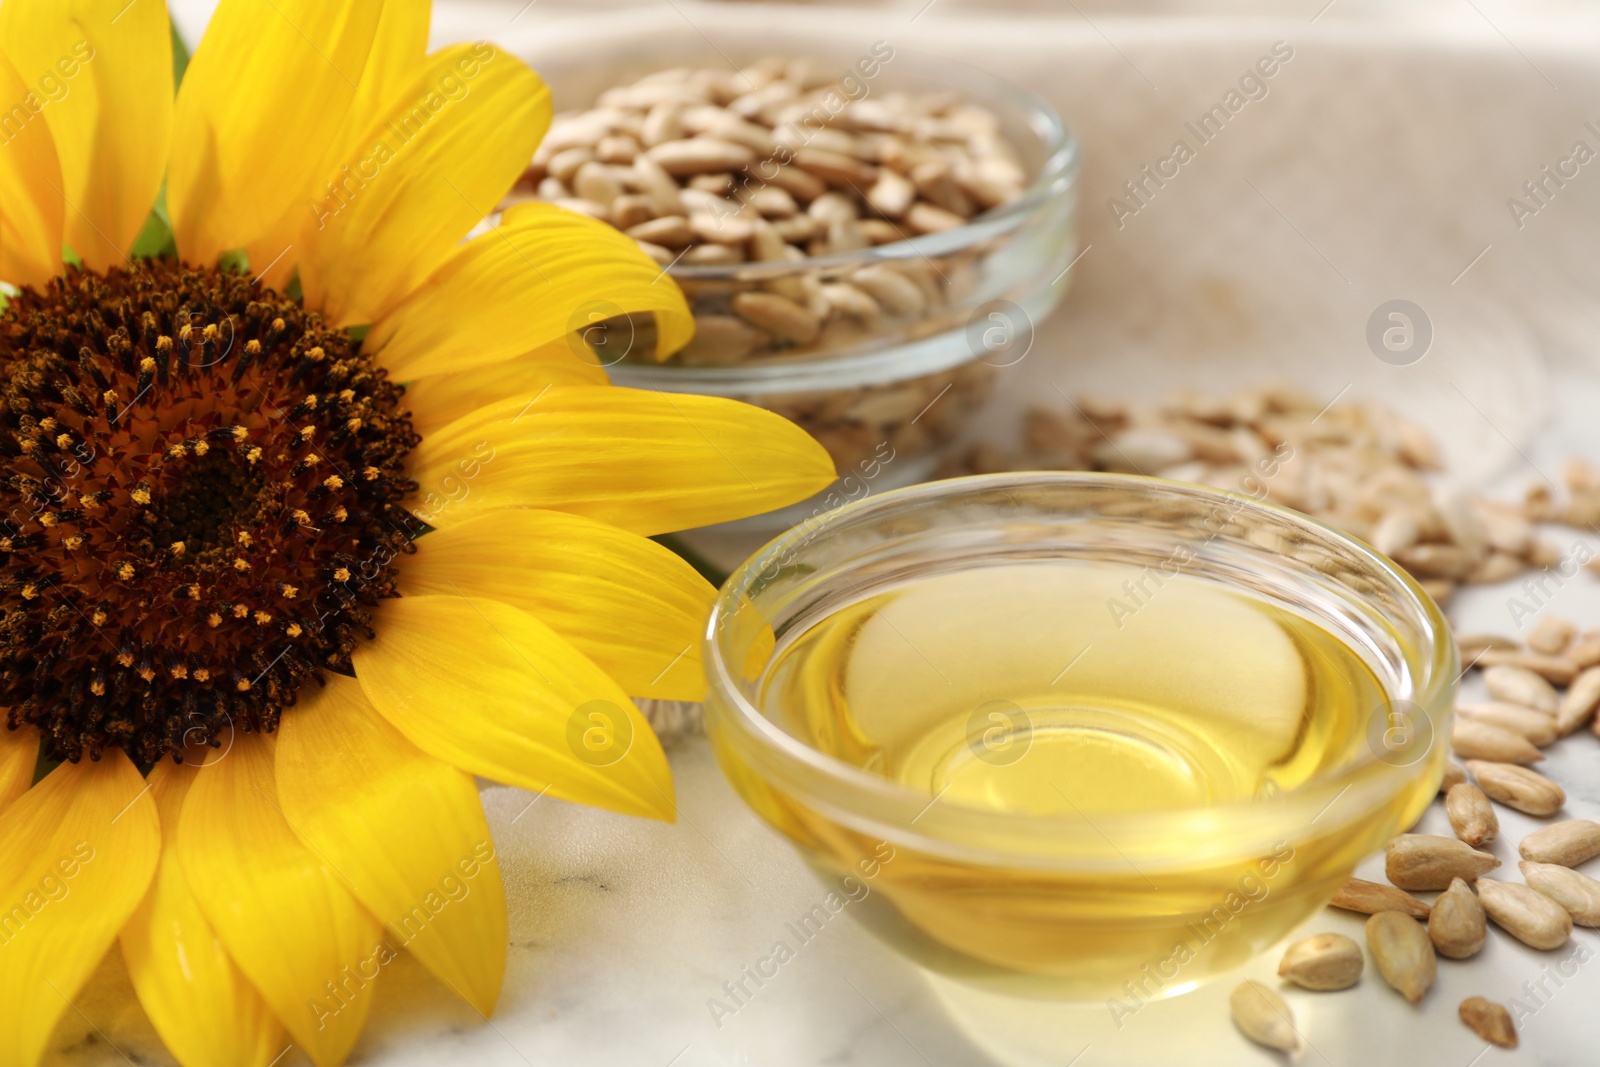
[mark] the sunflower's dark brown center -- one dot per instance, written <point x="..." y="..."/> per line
<point x="202" y="491"/>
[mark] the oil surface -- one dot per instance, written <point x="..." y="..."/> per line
<point x="1069" y="687"/>
<point x="1075" y="689"/>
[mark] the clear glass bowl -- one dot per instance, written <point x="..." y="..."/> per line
<point x="1057" y="905"/>
<point x="883" y="393"/>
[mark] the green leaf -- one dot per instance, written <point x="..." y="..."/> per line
<point x="43" y="766"/>
<point x="155" y="239"/>
<point x="708" y="570"/>
<point x="180" y="56"/>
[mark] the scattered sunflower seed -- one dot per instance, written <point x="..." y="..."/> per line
<point x="1471" y="646"/>
<point x="1428" y="861"/>
<point x="1458" y="926"/>
<point x="1524" y="913"/>
<point x="1517" y="787"/>
<point x="1537" y="726"/>
<point x="1551" y="635"/>
<point x="1477" y="739"/>
<point x="1569" y="843"/>
<point x="1578" y="703"/>
<point x="1557" y="670"/>
<point x="1454" y="775"/>
<point x="1323" y="962"/>
<point x="1577" y="893"/>
<point x="1369" y="898"/>
<point x="1402" y="953"/>
<point x="1490" y="1021"/>
<point x="1471" y="815"/>
<point x="1264" y="1017"/>
<point x="1518" y="685"/>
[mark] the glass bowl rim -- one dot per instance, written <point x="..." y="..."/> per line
<point x="857" y="794"/>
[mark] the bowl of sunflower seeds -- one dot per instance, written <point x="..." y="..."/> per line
<point x="863" y="239"/>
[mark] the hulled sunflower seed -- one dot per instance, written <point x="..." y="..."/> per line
<point x="595" y="182"/>
<point x="1323" y="962"/>
<point x="1578" y="703"/>
<point x="1558" y="670"/>
<point x="892" y="194"/>
<point x="1525" y="913"/>
<point x="1396" y="531"/>
<point x="1517" y="787"/>
<point x="700" y="155"/>
<point x="1585" y="651"/>
<point x="928" y="218"/>
<point x="673" y="231"/>
<point x="1264" y="1017"/>
<point x="1402" y="953"/>
<point x="1437" y="561"/>
<point x="1439" y="589"/>
<point x="1471" y="815"/>
<point x="1569" y="843"/>
<point x="1518" y="685"/>
<point x="1453" y="776"/>
<point x="777" y="315"/>
<point x="1551" y="635"/>
<point x="1497" y="567"/>
<point x="1476" y="739"/>
<point x="898" y="294"/>
<point x="1369" y="898"/>
<point x="1428" y="861"/>
<point x="1458" y="926"/>
<point x="1489" y="1021"/>
<point x="1471" y="646"/>
<point x="1537" y="726"/>
<point x="1577" y="893"/>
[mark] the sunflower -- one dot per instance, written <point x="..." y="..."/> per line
<point x="265" y="610"/>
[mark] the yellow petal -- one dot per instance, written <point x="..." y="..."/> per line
<point x="647" y="462"/>
<point x="544" y="274"/>
<point x="76" y="853"/>
<point x="205" y="1011"/>
<point x="439" y="399"/>
<point x="19" y="755"/>
<point x="397" y="50"/>
<point x="632" y="606"/>
<point x="274" y="255"/>
<point x="266" y="91"/>
<point x="30" y="194"/>
<point x="496" y="692"/>
<point x="101" y="73"/>
<point x="405" y="829"/>
<point x="434" y="163"/>
<point x="284" y="915"/>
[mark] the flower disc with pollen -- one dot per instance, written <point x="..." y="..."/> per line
<point x="205" y="494"/>
<point x="202" y="489"/>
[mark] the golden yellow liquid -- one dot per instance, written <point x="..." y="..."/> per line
<point x="1084" y="691"/>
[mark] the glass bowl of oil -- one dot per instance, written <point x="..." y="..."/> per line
<point x="1079" y="736"/>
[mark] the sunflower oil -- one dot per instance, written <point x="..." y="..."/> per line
<point x="1092" y="691"/>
